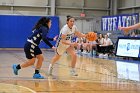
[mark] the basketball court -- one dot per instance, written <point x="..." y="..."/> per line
<point x="95" y="75"/>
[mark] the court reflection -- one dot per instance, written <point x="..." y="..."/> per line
<point x="128" y="70"/>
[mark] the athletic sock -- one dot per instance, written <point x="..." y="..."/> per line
<point x="36" y="71"/>
<point x="18" y="66"/>
<point x="50" y="66"/>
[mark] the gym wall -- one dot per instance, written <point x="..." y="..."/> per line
<point x="15" y="29"/>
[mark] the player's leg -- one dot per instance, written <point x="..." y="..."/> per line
<point x="37" y="74"/>
<point x="72" y="53"/>
<point x="53" y="61"/>
<point x="29" y="52"/>
<point x="17" y="67"/>
<point x="61" y="48"/>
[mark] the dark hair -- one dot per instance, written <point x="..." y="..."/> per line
<point x="43" y="21"/>
<point x="69" y="17"/>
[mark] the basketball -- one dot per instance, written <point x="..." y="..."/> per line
<point x="91" y="36"/>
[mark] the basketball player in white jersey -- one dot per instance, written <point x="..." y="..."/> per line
<point x="65" y="44"/>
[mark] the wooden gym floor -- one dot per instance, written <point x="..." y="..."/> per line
<point x="95" y="75"/>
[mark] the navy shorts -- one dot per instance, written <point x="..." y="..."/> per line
<point x="31" y="50"/>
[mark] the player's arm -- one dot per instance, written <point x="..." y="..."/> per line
<point x="45" y="39"/>
<point x="134" y="26"/>
<point x="130" y="27"/>
<point x="79" y="34"/>
<point x="52" y="39"/>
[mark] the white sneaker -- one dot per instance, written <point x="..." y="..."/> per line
<point x="101" y="56"/>
<point x="73" y="72"/>
<point x="84" y="52"/>
<point x="106" y="56"/>
<point x="50" y="70"/>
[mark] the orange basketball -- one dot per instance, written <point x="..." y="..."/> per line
<point x="91" y="36"/>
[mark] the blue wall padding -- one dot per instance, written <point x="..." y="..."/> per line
<point x="15" y="29"/>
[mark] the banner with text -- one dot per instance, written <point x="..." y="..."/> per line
<point x="111" y="23"/>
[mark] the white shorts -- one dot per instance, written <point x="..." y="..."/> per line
<point x="61" y="48"/>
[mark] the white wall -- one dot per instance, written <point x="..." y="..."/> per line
<point x="24" y="7"/>
<point x="138" y="2"/>
<point x="31" y="2"/>
<point x="88" y="25"/>
<point x="75" y="7"/>
<point x="69" y="3"/>
<point x="126" y="3"/>
<point x="96" y="3"/>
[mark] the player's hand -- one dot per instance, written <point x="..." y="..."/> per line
<point x="53" y="48"/>
<point x="55" y="38"/>
<point x="125" y="29"/>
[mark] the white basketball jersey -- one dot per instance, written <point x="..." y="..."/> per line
<point x="68" y="32"/>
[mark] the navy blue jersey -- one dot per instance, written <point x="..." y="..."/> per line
<point x="41" y="34"/>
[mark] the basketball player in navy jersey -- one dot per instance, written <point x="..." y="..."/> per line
<point x="31" y="48"/>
